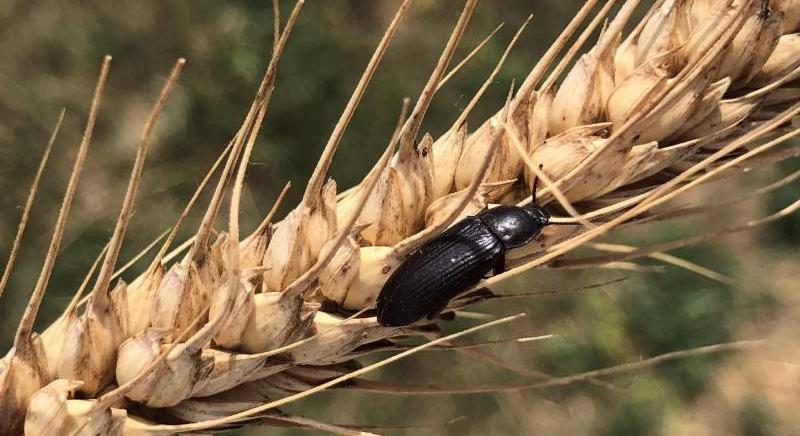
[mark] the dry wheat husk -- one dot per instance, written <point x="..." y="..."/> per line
<point x="236" y="323"/>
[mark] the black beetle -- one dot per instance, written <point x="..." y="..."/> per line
<point x="455" y="261"/>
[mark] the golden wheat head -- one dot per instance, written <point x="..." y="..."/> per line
<point x="238" y="326"/>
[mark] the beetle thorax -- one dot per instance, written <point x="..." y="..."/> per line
<point x="515" y="226"/>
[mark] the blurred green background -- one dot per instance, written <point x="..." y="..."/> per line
<point x="50" y="58"/>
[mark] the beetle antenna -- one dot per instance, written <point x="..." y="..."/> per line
<point x="535" y="186"/>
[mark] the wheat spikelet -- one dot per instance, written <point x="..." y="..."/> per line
<point x="693" y="92"/>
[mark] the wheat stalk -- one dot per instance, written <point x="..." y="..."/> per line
<point x="697" y="91"/>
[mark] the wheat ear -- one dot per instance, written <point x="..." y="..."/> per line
<point x="696" y="92"/>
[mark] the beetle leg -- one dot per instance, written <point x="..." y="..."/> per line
<point x="447" y="316"/>
<point x="500" y="263"/>
<point x="436" y="312"/>
<point x="499" y="266"/>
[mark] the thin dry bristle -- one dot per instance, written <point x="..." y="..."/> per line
<point x="26" y="323"/>
<point x="23" y="221"/>
<point x="432" y="389"/>
<point x="276" y="25"/>
<point x="267" y="219"/>
<point x="367" y="369"/>
<point x="76" y="299"/>
<point x="474" y="101"/>
<point x="469" y="56"/>
<point x="584" y="36"/>
<point x="549" y="56"/>
<point x="160" y="257"/>
<point x="412" y="125"/>
<point x="317" y="178"/>
<point x="262" y="98"/>
<point x="666" y="258"/>
<point x="663" y="193"/>
<point x="630" y="253"/>
<point x="107" y="269"/>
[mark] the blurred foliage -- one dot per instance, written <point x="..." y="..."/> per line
<point x="51" y="53"/>
<point x="756" y="419"/>
<point x="785" y="233"/>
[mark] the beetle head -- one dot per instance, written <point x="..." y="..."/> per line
<point x="514" y="225"/>
<point x="517" y="226"/>
<point x="539" y="215"/>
